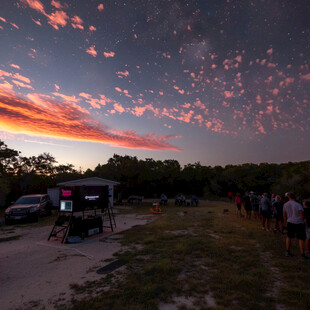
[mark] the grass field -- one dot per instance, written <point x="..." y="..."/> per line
<point x="200" y="258"/>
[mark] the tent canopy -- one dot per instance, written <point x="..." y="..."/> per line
<point x="93" y="181"/>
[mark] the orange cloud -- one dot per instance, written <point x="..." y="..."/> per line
<point x="77" y="22"/>
<point x="15" y="66"/>
<point x="59" y="18"/>
<point x="21" y="78"/>
<point x="3" y="19"/>
<point x="35" y="4"/>
<point x="91" y="51"/>
<point x="66" y="97"/>
<point x="21" y="84"/>
<point x="100" y="7"/>
<point x="125" y="73"/>
<point x="37" y="22"/>
<point x="92" y="28"/>
<point x="56" y="4"/>
<point x="44" y="116"/>
<point x="119" y="108"/>
<point x="110" y="54"/>
<point x="14" y="25"/>
<point x="56" y="19"/>
<point x="85" y="95"/>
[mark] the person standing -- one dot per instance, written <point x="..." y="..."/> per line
<point x="238" y="202"/>
<point x="247" y="205"/>
<point x="266" y="211"/>
<point x="278" y="212"/>
<point x="255" y="204"/>
<point x="293" y="217"/>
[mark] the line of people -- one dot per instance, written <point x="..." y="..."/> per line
<point x="289" y="214"/>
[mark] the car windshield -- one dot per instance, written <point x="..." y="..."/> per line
<point x="27" y="200"/>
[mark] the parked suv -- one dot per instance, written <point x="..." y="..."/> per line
<point x="29" y="207"/>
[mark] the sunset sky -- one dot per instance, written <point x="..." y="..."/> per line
<point x="220" y="82"/>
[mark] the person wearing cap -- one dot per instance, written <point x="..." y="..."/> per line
<point x="293" y="217"/>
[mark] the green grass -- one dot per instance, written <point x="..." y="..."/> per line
<point x="195" y="251"/>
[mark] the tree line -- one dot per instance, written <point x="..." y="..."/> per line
<point x="149" y="177"/>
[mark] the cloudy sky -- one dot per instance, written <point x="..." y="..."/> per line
<point x="220" y="82"/>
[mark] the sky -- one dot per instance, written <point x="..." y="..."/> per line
<point x="216" y="82"/>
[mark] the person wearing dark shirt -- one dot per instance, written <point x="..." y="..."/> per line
<point x="247" y="205"/>
<point x="278" y="212"/>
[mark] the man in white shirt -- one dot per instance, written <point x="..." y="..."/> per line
<point x="293" y="216"/>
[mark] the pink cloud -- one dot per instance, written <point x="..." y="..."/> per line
<point x="186" y="105"/>
<point x="269" y="109"/>
<point x="56" y="87"/>
<point x="91" y="51"/>
<point x="77" y="22"/>
<point x="20" y="84"/>
<point x="92" y="28"/>
<point x="125" y="73"/>
<point x="238" y="58"/>
<point x="59" y="18"/>
<point x="37" y="22"/>
<point x="4" y="73"/>
<point x="85" y="95"/>
<point x="56" y="19"/>
<point x="14" y="25"/>
<point x="275" y="91"/>
<point x="6" y="85"/>
<point x="35" y="4"/>
<point x="258" y="99"/>
<point x="118" y="89"/>
<point x="56" y="4"/>
<point x="3" y="19"/>
<point x="270" y="51"/>
<point x="119" y="108"/>
<point x="138" y="111"/>
<point x="289" y="80"/>
<point x="44" y="116"/>
<point x="228" y="94"/>
<point x="100" y="7"/>
<point x="15" y="66"/>
<point x="66" y="97"/>
<point x="186" y="117"/>
<point x="271" y="65"/>
<point x="305" y="77"/>
<point x="109" y="54"/>
<point x="21" y="78"/>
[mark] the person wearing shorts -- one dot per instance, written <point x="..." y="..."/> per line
<point x="266" y="212"/>
<point x="293" y="217"/>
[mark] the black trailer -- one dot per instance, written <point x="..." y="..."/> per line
<point x="84" y="208"/>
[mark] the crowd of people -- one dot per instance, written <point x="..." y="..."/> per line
<point x="180" y="200"/>
<point x="289" y="213"/>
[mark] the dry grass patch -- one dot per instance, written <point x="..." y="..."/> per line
<point x="177" y="258"/>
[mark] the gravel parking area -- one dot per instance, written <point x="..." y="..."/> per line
<point x="36" y="273"/>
